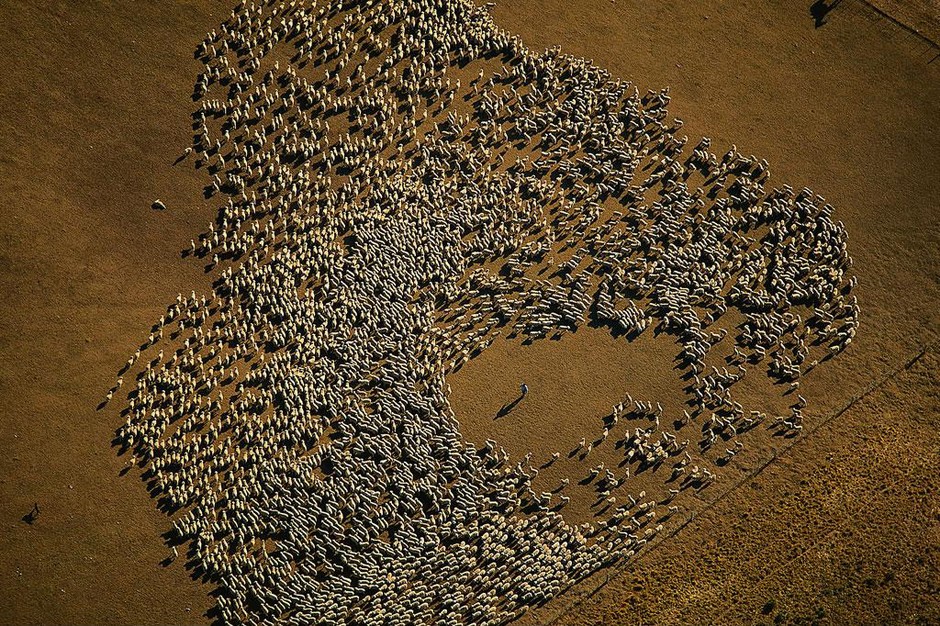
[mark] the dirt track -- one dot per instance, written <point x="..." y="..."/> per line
<point x="97" y="113"/>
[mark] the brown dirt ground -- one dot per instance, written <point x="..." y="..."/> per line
<point x="843" y="529"/>
<point x="921" y="16"/>
<point x="95" y="110"/>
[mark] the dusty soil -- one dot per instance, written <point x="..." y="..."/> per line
<point x="842" y="529"/>
<point x="95" y="112"/>
<point x="921" y="16"/>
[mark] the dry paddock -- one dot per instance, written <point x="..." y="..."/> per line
<point x="842" y="526"/>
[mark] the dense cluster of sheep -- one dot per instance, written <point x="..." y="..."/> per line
<point x="402" y="182"/>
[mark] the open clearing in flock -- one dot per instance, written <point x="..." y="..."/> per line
<point x="423" y="311"/>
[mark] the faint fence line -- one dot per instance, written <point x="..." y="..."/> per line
<point x="616" y="570"/>
<point x="931" y="49"/>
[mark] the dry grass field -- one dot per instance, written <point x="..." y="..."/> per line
<point x="840" y="525"/>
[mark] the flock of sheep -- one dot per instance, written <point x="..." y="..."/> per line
<point x="401" y="182"/>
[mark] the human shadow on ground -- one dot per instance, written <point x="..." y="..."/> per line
<point x="508" y="407"/>
<point x="820" y="9"/>
<point x="32" y="516"/>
